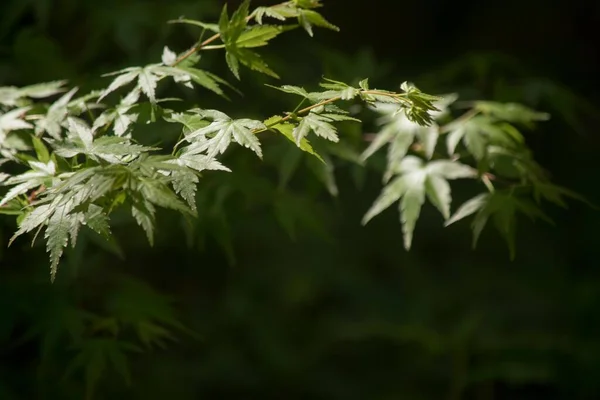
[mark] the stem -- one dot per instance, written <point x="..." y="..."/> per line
<point x="213" y="47"/>
<point x="196" y="48"/>
<point x="35" y="194"/>
<point x="299" y="105"/>
<point x="325" y="102"/>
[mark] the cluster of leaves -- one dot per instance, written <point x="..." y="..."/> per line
<point x="82" y="160"/>
<point x="483" y="144"/>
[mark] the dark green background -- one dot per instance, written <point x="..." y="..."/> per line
<point x="340" y="311"/>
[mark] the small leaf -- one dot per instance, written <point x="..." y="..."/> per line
<point x="143" y="212"/>
<point x="287" y="130"/>
<point x="258" y="36"/>
<point x="168" y="56"/>
<point x="308" y="18"/>
<point x="40" y="149"/>
<point x="272" y="12"/>
<point x="253" y="61"/>
<point x="147" y="83"/>
<point x="120" y="81"/>
<point x="319" y="124"/>
<point x="469" y="207"/>
<point x="390" y="194"/>
<point x="83" y="132"/>
<point x="223" y="130"/>
<point x="438" y="193"/>
<point x="233" y="63"/>
<point x="57" y="235"/>
<point x="410" y="205"/>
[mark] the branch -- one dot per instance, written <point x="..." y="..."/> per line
<point x="305" y="110"/>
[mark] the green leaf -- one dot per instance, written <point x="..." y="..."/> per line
<point x="308" y="18"/>
<point x="97" y="220"/>
<point x="253" y="61"/>
<point x="93" y="356"/>
<point x="286" y="129"/>
<point x="143" y="212"/>
<point x="324" y="171"/>
<point x="307" y="3"/>
<point x="468" y="208"/>
<point x="185" y="184"/>
<point x="502" y="206"/>
<point x="161" y="195"/>
<point x="238" y="21"/>
<point x="292" y="90"/>
<point x="257" y="36"/>
<point x="555" y="194"/>
<point x="205" y="79"/>
<point x="233" y="63"/>
<point x="224" y="23"/>
<point x="40" y="149"/>
<point x="510" y="112"/>
<point x="150" y="313"/>
<point x="319" y="124"/>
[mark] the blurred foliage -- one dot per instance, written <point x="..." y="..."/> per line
<point x="275" y="291"/>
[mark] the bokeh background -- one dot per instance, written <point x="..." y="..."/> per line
<point x="276" y="291"/>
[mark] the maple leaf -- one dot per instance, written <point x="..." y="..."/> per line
<point x="320" y="124"/>
<point x="37" y="176"/>
<point x="112" y="149"/>
<point x="502" y="207"/>
<point x="216" y="137"/>
<point x="416" y="181"/>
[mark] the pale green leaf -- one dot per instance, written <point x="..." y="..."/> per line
<point x="97" y="220"/>
<point x="168" y="56"/>
<point x="428" y="138"/>
<point x="143" y="212"/>
<point x="272" y="12"/>
<point x="147" y="82"/>
<point x="450" y="169"/>
<point x="57" y="234"/>
<point x="324" y="171"/>
<point x="223" y="129"/>
<point x="438" y="193"/>
<point x="308" y="18"/>
<point x="410" y="205"/>
<point x="390" y="194"/>
<point x="469" y="207"/>
<point x="318" y="124"/>
<point x="120" y="81"/>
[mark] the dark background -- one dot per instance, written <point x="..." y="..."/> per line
<point x="337" y="311"/>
